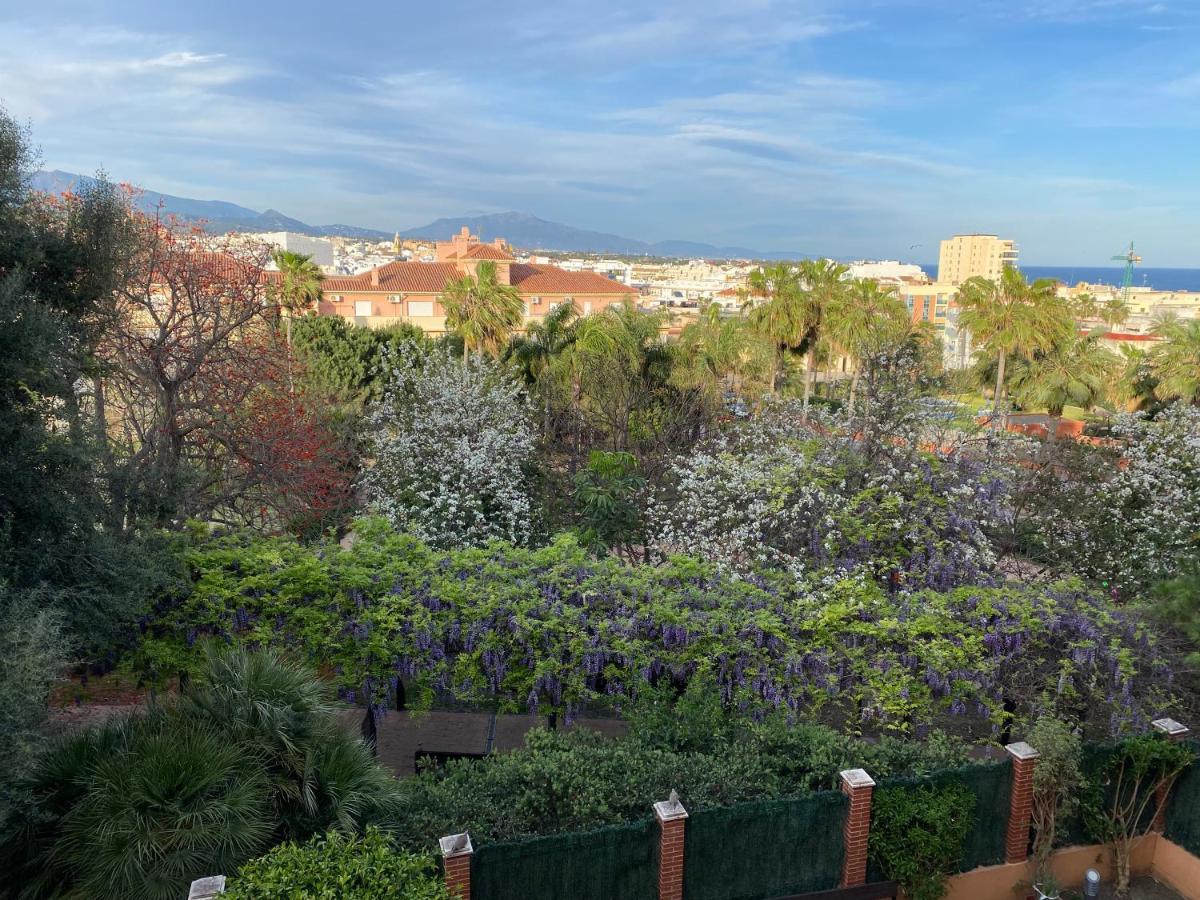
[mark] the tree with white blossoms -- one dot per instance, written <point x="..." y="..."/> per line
<point x="825" y="504"/>
<point x="1138" y="520"/>
<point x="450" y="443"/>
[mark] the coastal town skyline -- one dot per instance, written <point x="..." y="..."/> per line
<point x="854" y="130"/>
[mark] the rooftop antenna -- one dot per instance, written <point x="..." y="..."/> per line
<point x="1130" y="259"/>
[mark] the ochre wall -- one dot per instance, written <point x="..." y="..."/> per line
<point x="1153" y="854"/>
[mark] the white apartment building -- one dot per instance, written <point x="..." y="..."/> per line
<point x="320" y="249"/>
<point x="969" y="255"/>
<point x="887" y="270"/>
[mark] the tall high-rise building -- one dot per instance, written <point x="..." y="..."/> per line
<point x="967" y="255"/>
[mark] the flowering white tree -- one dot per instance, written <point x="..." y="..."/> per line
<point x="449" y="443"/>
<point x="1141" y="522"/>
<point x="779" y="493"/>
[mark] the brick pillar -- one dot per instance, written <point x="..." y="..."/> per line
<point x="1175" y="731"/>
<point x="858" y="786"/>
<point x="672" y="822"/>
<point x="456" y="860"/>
<point x="1020" y="802"/>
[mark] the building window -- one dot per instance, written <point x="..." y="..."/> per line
<point x="420" y="307"/>
<point x="587" y="307"/>
<point x="362" y="308"/>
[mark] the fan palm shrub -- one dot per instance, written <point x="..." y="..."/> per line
<point x="251" y="754"/>
<point x="138" y="807"/>
<point x="175" y="801"/>
<point x="320" y="776"/>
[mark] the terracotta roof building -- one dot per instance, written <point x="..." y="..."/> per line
<point x="411" y="291"/>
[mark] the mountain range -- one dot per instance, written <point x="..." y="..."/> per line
<point x="518" y="228"/>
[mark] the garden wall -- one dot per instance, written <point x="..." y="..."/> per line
<point x="759" y="851"/>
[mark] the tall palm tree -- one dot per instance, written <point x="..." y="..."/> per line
<point x="542" y="341"/>
<point x="824" y="286"/>
<point x="299" y="286"/>
<point x="1077" y="370"/>
<point x="715" y="349"/>
<point x="1012" y="317"/>
<point x="862" y="320"/>
<point x="482" y="310"/>
<point x="1085" y="306"/>
<point x="1115" y="312"/>
<point x="779" y="312"/>
<point x="1176" y="361"/>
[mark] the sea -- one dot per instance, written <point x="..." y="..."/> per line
<point x="1159" y="279"/>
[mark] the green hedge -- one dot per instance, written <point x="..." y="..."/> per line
<point x="991" y="786"/>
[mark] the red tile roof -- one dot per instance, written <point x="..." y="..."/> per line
<point x="1127" y="336"/>
<point x="481" y="251"/>
<point x="215" y="265"/>
<point x="431" y="278"/>
<point x="396" y="278"/>
<point x="553" y="280"/>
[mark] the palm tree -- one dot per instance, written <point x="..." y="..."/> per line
<point x="542" y="341"/>
<point x="1115" y="312"/>
<point x="1077" y="371"/>
<point x="779" y="312"/>
<point x="482" y="310"/>
<point x="824" y="286"/>
<point x="1012" y="317"/>
<point x="794" y="300"/>
<point x="862" y="320"/>
<point x="1176" y="361"/>
<point x="1084" y="306"/>
<point x="713" y="349"/>
<point x="299" y="286"/>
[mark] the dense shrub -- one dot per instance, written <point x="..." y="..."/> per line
<point x="779" y="493"/>
<point x="137" y="808"/>
<point x="334" y="867"/>
<point x="578" y="780"/>
<point x="918" y="834"/>
<point x="1135" y="523"/>
<point x="554" y="628"/>
<point x="140" y="806"/>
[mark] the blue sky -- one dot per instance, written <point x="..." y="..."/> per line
<point x="850" y="128"/>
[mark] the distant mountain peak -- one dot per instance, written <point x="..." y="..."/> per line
<point x="520" y="228"/>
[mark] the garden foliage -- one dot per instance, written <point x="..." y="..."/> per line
<point x="918" y="834"/>
<point x="556" y="630"/>
<point x="450" y="441"/>
<point x="780" y="493"/>
<point x="335" y="867"/>
<point x="141" y="805"/>
<point x="578" y="780"/>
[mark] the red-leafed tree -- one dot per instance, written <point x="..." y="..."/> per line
<point x="195" y="398"/>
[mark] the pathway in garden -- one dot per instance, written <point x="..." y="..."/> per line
<point x="402" y="735"/>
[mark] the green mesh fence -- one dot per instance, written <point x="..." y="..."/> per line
<point x="1183" y="807"/>
<point x="616" y="863"/>
<point x="991" y="783"/>
<point x="767" y="849"/>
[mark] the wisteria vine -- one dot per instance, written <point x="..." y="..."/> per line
<point x="554" y="630"/>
